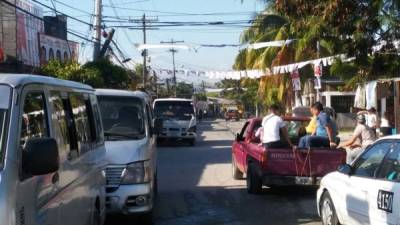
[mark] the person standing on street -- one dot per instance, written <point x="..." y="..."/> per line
<point x="325" y="133"/>
<point x="364" y="134"/>
<point x="272" y="126"/>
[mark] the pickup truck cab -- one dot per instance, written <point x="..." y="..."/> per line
<point x="280" y="167"/>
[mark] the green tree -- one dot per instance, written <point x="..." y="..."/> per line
<point x="73" y="71"/>
<point x="184" y="90"/>
<point x="114" y="76"/>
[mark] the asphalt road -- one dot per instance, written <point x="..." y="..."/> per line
<point x="196" y="188"/>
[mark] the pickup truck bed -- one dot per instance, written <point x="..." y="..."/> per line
<point x="280" y="167"/>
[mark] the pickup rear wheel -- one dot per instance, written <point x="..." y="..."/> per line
<point x="236" y="173"/>
<point x="253" y="181"/>
<point x="328" y="212"/>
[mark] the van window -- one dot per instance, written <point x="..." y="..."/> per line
<point x="122" y="117"/>
<point x="59" y="118"/>
<point x="149" y="117"/>
<point x="34" y="118"/>
<point x="181" y="110"/>
<point x="4" y="105"/>
<point x="97" y="119"/>
<point x="81" y="120"/>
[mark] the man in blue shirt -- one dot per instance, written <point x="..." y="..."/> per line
<point x="325" y="134"/>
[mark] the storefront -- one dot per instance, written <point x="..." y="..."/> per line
<point x="384" y="96"/>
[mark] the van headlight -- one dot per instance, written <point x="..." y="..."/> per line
<point x="136" y="173"/>
<point x="192" y="129"/>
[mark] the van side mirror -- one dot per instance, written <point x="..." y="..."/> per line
<point x="158" y="126"/>
<point x="40" y="156"/>
<point x="345" y="169"/>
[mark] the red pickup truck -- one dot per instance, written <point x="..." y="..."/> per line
<point x="280" y="167"/>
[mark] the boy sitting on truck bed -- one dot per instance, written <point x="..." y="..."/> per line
<point x="272" y="126"/>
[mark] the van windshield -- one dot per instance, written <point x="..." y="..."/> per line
<point x="122" y="117"/>
<point x="181" y="110"/>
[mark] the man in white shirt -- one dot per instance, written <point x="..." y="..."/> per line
<point x="273" y="125"/>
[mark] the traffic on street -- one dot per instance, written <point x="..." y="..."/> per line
<point x="183" y="112"/>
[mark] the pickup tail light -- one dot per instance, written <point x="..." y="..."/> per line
<point x="264" y="157"/>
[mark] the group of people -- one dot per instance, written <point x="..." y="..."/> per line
<point x="322" y="132"/>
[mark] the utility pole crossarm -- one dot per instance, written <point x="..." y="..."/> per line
<point x="143" y="22"/>
<point x="173" y="51"/>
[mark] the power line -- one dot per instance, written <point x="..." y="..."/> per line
<point x="71" y="17"/>
<point x="40" y="18"/>
<point x="183" y="13"/>
<point x="74" y="8"/>
<point x="144" y="21"/>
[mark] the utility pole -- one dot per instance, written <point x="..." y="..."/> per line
<point x="143" y="22"/>
<point x="106" y="44"/>
<point x="97" y="26"/>
<point x="168" y="87"/>
<point x="173" y="51"/>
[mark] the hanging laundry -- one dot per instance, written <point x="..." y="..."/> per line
<point x="370" y="94"/>
<point x="359" y="98"/>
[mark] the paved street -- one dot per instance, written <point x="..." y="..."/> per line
<point x="196" y="188"/>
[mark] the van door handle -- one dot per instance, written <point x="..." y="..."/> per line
<point x="55" y="178"/>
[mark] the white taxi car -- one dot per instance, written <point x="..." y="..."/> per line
<point x="365" y="192"/>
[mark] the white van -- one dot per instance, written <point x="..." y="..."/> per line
<point x="179" y="119"/>
<point x="131" y="153"/>
<point x="51" y="152"/>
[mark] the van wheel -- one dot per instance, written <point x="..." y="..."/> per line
<point x="253" y="181"/>
<point x="159" y="141"/>
<point x="236" y="173"/>
<point x="96" y="217"/>
<point x="192" y="142"/>
<point x="328" y="212"/>
<point x="146" y="218"/>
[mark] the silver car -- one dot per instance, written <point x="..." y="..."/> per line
<point x="131" y="153"/>
<point x="51" y="152"/>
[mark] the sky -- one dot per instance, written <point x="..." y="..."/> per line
<point x="163" y="10"/>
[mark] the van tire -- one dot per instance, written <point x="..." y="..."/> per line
<point x="192" y="142"/>
<point x="96" y="216"/>
<point x="236" y="173"/>
<point x="253" y="181"/>
<point x="146" y="218"/>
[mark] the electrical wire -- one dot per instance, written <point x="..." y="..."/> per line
<point x="74" y="8"/>
<point x="71" y="17"/>
<point x="69" y="31"/>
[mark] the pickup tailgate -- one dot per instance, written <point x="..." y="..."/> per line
<point x="315" y="162"/>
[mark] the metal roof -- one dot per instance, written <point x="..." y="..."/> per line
<point x="124" y="93"/>
<point x="22" y="79"/>
<point x="172" y="99"/>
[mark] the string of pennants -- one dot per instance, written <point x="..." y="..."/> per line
<point x="218" y="75"/>
<point x="255" y="74"/>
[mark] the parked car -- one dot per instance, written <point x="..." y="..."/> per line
<point x="365" y="192"/>
<point x="52" y="152"/>
<point x="179" y="120"/>
<point x="232" y="113"/>
<point x="280" y="167"/>
<point x="131" y="152"/>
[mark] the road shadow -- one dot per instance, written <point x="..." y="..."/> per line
<point x="196" y="188"/>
